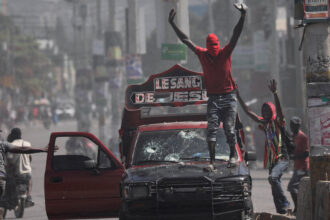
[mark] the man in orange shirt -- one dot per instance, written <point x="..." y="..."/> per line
<point x="300" y="157"/>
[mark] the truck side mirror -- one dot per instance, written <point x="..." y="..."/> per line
<point x="89" y="164"/>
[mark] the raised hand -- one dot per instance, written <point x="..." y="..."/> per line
<point x="272" y="86"/>
<point x="171" y="16"/>
<point x="182" y="36"/>
<point x="241" y="7"/>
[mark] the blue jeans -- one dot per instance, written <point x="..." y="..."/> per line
<point x="222" y="108"/>
<point x="275" y="174"/>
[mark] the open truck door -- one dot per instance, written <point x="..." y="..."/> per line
<point x="82" y="177"/>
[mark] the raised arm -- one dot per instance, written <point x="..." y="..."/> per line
<point x="273" y="88"/>
<point x="182" y="36"/>
<point x="247" y="110"/>
<point x="239" y="26"/>
<point x="27" y="150"/>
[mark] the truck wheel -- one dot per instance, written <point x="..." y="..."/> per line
<point x="3" y="212"/>
<point x="19" y="209"/>
<point x="122" y="215"/>
<point x="248" y="213"/>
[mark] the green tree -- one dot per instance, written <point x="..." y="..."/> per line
<point x="21" y="58"/>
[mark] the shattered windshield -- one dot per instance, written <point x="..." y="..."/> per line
<point x="177" y="145"/>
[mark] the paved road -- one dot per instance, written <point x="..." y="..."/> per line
<point x="38" y="136"/>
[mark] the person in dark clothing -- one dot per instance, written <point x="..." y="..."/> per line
<point x="219" y="83"/>
<point x="276" y="157"/>
<point x="300" y="157"/>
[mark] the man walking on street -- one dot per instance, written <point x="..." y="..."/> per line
<point x="219" y="83"/>
<point x="300" y="157"/>
<point x="276" y="154"/>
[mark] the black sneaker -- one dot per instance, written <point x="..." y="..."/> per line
<point x="232" y="162"/>
<point x="286" y="205"/>
<point x="29" y="203"/>
<point x="210" y="168"/>
<point x="282" y="212"/>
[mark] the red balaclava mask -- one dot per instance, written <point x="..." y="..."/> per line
<point x="212" y="44"/>
<point x="273" y="110"/>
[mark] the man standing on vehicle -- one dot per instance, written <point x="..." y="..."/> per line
<point x="8" y="147"/>
<point x="20" y="163"/>
<point x="219" y="83"/>
<point x="276" y="154"/>
<point x="300" y="157"/>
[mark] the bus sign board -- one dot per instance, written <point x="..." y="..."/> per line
<point x="174" y="87"/>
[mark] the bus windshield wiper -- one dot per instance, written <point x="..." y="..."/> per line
<point x="194" y="158"/>
<point x="156" y="161"/>
<point x="201" y="158"/>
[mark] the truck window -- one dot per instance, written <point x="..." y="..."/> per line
<point x="75" y="153"/>
<point x="105" y="162"/>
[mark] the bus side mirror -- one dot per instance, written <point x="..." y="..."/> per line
<point x="250" y="156"/>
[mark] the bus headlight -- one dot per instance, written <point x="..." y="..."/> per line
<point x="135" y="192"/>
<point x="139" y="192"/>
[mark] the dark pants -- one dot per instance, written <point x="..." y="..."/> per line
<point x="293" y="185"/>
<point x="2" y="193"/>
<point x="275" y="174"/>
<point x="222" y="108"/>
<point x="2" y="187"/>
<point x="23" y="178"/>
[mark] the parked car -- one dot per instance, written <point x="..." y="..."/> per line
<point x="162" y="172"/>
<point x="65" y="111"/>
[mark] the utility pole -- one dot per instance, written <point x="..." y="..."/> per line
<point x="136" y="42"/>
<point x="111" y="15"/>
<point x="274" y="61"/>
<point x="167" y="40"/>
<point x="165" y="33"/>
<point x="115" y="68"/>
<point x="316" y="48"/>
<point x="83" y="16"/>
<point x="73" y="22"/>
<point x="300" y="79"/>
<point x="317" y="57"/>
<point x="83" y="75"/>
<point x="4" y="7"/>
<point x="100" y="83"/>
<point x="98" y="16"/>
<point x="136" y="37"/>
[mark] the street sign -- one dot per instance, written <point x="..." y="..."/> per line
<point x="316" y="10"/>
<point x="174" y="52"/>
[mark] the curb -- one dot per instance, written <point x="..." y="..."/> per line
<point x="269" y="216"/>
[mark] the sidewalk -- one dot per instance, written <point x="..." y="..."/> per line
<point x="269" y="216"/>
